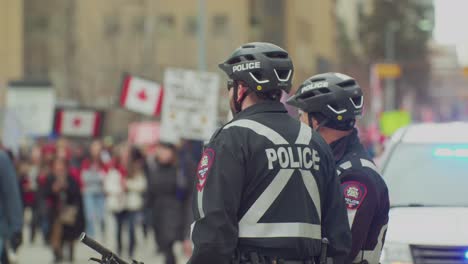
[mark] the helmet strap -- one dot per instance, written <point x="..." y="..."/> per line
<point x="321" y="124"/>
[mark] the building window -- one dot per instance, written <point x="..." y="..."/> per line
<point x="165" y="24"/>
<point x="139" y="25"/>
<point x="304" y="29"/>
<point x="192" y="25"/>
<point x="220" y="25"/>
<point x="111" y="26"/>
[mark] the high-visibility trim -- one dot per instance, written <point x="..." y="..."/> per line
<point x="369" y="164"/>
<point x="257" y="80"/>
<point x="337" y="111"/>
<point x="267" y="230"/>
<point x="312" y="188"/>
<point x="351" y="216"/>
<point x="192" y="226"/>
<point x="373" y="256"/>
<point x="346" y="165"/>
<point x="260" y="129"/>
<point x="305" y="135"/>
<point x="364" y="163"/>
<point x="200" y="203"/>
<point x="264" y="201"/>
<point x="249" y="226"/>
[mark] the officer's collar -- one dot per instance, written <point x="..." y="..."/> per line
<point x="263" y="107"/>
<point x="340" y="146"/>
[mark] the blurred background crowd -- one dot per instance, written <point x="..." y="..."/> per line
<point x="70" y="187"/>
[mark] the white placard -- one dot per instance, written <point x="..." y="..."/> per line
<point x="190" y="105"/>
<point x="34" y="108"/>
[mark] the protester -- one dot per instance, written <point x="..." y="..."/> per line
<point x="116" y="199"/>
<point x="67" y="216"/>
<point x="31" y="189"/>
<point x="167" y="208"/>
<point x="92" y="175"/>
<point x="135" y="185"/>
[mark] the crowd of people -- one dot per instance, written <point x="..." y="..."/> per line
<point x="70" y="187"/>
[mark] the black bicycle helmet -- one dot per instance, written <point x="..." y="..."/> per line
<point x="335" y="98"/>
<point x="263" y="67"/>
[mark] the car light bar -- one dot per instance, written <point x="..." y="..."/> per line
<point x="451" y="152"/>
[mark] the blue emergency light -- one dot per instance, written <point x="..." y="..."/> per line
<point x="466" y="254"/>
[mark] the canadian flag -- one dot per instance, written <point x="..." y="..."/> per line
<point x="78" y="123"/>
<point x="141" y="95"/>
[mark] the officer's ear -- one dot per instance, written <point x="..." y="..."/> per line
<point x="315" y="123"/>
<point x="241" y="90"/>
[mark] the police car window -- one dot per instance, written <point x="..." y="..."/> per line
<point x="428" y="174"/>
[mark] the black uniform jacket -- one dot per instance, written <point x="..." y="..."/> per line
<point x="267" y="183"/>
<point x="366" y="198"/>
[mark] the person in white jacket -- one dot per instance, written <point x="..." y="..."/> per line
<point x="125" y="185"/>
<point x="135" y="185"/>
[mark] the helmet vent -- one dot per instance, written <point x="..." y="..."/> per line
<point x="324" y="90"/>
<point x="249" y="57"/>
<point x="357" y="101"/>
<point x="317" y="80"/>
<point x="234" y="60"/>
<point x="347" y="83"/>
<point x="283" y="75"/>
<point x="276" y="55"/>
<point x="248" y="46"/>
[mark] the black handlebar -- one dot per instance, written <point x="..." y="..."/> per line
<point x="108" y="257"/>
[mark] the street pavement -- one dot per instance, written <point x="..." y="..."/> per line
<point x="146" y="252"/>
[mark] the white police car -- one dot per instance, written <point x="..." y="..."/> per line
<point x="425" y="167"/>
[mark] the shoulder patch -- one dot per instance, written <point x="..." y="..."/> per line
<point x="204" y="167"/>
<point x="354" y="194"/>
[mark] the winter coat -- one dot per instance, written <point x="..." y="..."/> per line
<point x="115" y="191"/>
<point x="136" y="187"/>
<point x="167" y="209"/>
<point x="71" y="196"/>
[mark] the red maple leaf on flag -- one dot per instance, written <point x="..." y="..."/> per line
<point x="142" y="95"/>
<point x="77" y="122"/>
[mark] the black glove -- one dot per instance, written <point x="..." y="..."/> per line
<point x="16" y="240"/>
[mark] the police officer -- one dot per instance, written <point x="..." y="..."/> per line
<point x="267" y="189"/>
<point x="330" y="103"/>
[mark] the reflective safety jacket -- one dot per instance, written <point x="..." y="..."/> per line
<point x="267" y="183"/>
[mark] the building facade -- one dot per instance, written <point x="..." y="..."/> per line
<point x="85" y="46"/>
<point x="11" y="46"/>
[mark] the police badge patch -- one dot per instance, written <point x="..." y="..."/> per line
<point x="354" y="193"/>
<point x="204" y="167"/>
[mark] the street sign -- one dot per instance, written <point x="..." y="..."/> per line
<point x="465" y="71"/>
<point x="388" y="70"/>
<point x="190" y="106"/>
<point x="391" y="121"/>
